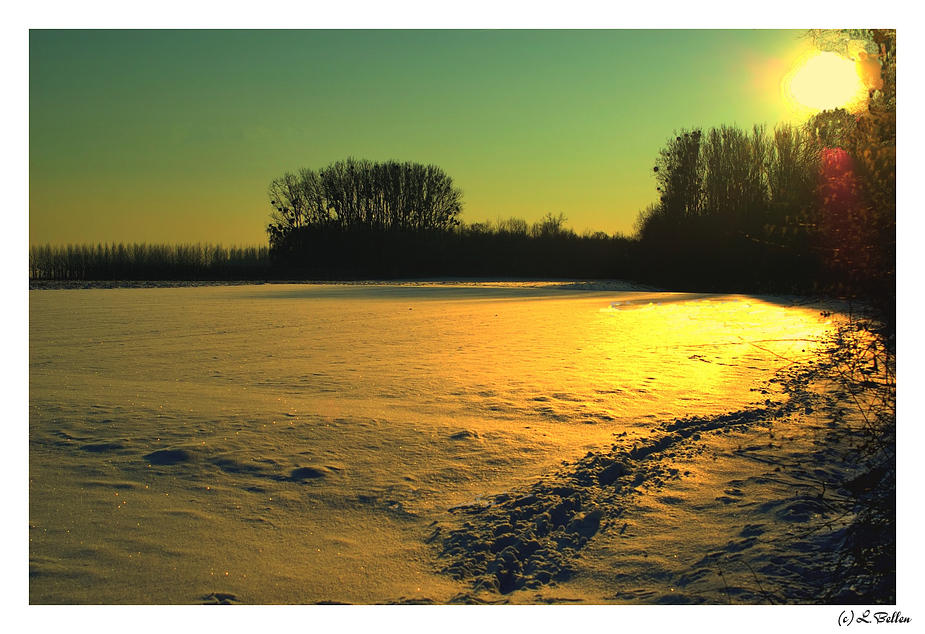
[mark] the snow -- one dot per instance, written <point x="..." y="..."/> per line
<point x="364" y="443"/>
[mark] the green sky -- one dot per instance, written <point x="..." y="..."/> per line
<point x="173" y="136"/>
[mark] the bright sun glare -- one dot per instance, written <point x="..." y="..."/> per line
<point x="824" y="81"/>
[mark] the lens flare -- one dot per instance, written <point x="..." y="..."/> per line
<point x="824" y="81"/>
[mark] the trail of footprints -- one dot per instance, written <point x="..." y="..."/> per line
<point x="529" y="539"/>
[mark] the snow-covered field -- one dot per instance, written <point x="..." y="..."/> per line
<point x="426" y="442"/>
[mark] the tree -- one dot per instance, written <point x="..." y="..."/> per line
<point x="550" y="226"/>
<point x="735" y="173"/>
<point x="679" y="173"/>
<point x="358" y="195"/>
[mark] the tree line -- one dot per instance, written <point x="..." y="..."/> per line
<point x="509" y="247"/>
<point x="359" y="218"/>
<point x="733" y="206"/>
<point x="805" y="208"/>
<point x="149" y="262"/>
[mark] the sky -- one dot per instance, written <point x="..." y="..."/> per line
<point x="172" y="136"/>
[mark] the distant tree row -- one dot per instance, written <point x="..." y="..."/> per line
<point x="358" y="218"/>
<point x="505" y="248"/>
<point x="357" y="195"/>
<point x="147" y="262"/>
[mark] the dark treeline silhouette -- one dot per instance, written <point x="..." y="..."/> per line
<point x="731" y="202"/>
<point x="357" y="218"/>
<point x="807" y="209"/>
<point x="148" y="262"/>
<point x="506" y="248"/>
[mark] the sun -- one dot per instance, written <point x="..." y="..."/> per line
<point x="824" y="81"/>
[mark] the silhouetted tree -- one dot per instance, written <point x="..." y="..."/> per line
<point x="679" y="172"/>
<point x="735" y="174"/>
<point x="357" y="195"/>
<point x="550" y="226"/>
